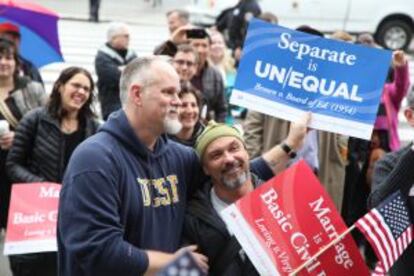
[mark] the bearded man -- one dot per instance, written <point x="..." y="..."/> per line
<point x="123" y="200"/>
<point x="224" y="158"/>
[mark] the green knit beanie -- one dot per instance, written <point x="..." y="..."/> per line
<point x="212" y="132"/>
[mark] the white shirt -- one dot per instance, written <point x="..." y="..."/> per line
<point x="219" y="205"/>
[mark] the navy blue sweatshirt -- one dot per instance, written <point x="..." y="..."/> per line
<point x="119" y="199"/>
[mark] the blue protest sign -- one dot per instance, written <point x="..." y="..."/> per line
<point x="284" y="73"/>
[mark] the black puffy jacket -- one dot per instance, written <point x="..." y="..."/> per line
<point x="37" y="153"/>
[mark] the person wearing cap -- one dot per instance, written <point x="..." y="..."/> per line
<point x="223" y="155"/>
<point x="11" y="32"/>
<point x="209" y="80"/>
<point x="125" y="190"/>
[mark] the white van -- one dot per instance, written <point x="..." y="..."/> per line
<point x="391" y="22"/>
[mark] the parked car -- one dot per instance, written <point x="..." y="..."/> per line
<point x="391" y="22"/>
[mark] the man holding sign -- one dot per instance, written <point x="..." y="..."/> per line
<point x="225" y="159"/>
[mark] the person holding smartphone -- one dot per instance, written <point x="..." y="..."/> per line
<point x="207" y="79"/>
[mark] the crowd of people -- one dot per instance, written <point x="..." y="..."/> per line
<point x="148" y="178"/>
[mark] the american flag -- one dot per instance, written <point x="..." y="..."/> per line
<point x="183" y="265"/>
<point x="389" y="230"/>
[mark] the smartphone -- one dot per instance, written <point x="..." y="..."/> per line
<point x="196" y="33"/>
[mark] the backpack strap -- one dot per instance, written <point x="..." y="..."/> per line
<point x="8" y="115"/>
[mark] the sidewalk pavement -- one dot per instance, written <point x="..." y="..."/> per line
<point x="140" y="12"/>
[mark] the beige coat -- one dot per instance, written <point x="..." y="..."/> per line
<point x="262" y="132"/>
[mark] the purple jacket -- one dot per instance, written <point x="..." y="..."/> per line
<point x="392" y="96"/>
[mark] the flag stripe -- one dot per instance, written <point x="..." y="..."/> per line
<point x="390" y="238"/>
<point x="384" y="234"/>
<point x="400" y="245"/>
<point x="378" y="270"/>
<point x="378" y="246"/>
<point x="379" y="233"/>
<point x="410" y="234"/>
<point x="379" y="267"/>
<point x="404" y="241"/>
<point x="389" y="230"/>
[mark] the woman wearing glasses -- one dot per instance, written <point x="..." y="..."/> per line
<point x="43" y="144"/>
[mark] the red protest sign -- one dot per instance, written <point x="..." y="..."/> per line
<point x="286" y="221"/>
<point x="31" y="226"/>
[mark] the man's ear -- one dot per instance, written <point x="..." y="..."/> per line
<point x="135" y="92"/>
<point x="409" y="115"/>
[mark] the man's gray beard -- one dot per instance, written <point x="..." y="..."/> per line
<point x="236" y="183"/>
<point x="172" y="126"/>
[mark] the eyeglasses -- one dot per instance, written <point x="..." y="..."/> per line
<point x="182" y="62"/>
<point x="78" y="86"/>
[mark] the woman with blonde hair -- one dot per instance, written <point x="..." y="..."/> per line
<point x="221" y="59"/>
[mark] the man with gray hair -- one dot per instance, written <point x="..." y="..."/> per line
<point x="124" y="193"/>
<point x="176" y="19"/>
<point x="392" y="173"/>
<point x="224" y="158"/>
<point x="109" y="63"/>
<point x="125" y="190"/>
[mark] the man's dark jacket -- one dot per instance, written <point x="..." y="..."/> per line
<point x="204" y="227"/>
<point x="395" y="172"/>
<point x="213" y="93"/>
<point x="108" y="63"/>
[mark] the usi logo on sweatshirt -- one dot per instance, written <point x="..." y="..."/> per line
<point x="159" y="192"/>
